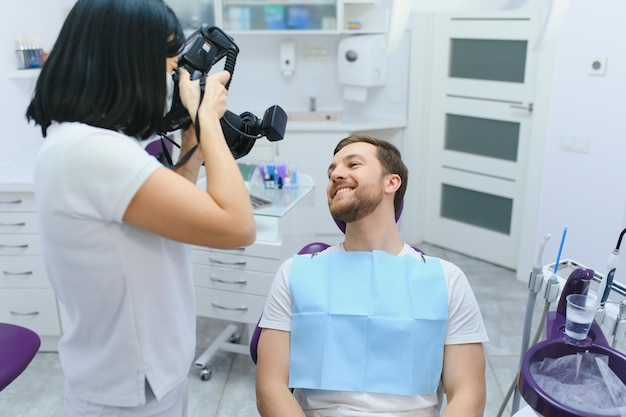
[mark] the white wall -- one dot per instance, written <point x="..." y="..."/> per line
<point x="40" y="18"/>
<point x="257" y="81"/>
<point x="587" y="191"/>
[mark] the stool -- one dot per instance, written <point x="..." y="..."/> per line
<point x="18" y="346"/>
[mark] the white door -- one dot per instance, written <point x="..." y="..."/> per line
<point x="482" y="95"/>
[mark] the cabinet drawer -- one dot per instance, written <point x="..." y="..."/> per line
<point x="231" y="306"/>
<point x="17" y="202"/>
<point x="23" y="271"/>
<point x="245" y="282"/>
<point x="20" y="245"/>
<point x="18" y="222"/>
<point x="32" y="308"/>
<point x="235" y="261"/>
<point x="261" y="249"/>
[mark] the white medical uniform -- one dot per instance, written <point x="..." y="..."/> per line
<point x="465" y="325"/>
<point x="128" y="293"/>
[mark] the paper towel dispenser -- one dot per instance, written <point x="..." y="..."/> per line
<point x="362" y="61"/>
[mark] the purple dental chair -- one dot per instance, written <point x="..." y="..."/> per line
<point x="18" y="346"/>
<point x="310" y="248"/>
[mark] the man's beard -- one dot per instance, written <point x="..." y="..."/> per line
<point x="361" y="203"/>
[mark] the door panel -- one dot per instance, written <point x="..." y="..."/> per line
<point x="481" y="115"/>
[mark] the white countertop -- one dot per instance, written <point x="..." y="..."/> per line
<point x="348" y="122"/>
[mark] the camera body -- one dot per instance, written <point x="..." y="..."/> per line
<point x="203" y="48"/>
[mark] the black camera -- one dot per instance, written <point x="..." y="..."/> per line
<point x="203" y="48"/>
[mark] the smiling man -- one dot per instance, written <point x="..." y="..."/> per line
<point x="370" y="327"/>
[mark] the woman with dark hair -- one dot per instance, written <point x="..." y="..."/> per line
<point x="115" y="224"/>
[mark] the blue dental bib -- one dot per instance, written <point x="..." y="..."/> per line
<point x="367" y="322"/>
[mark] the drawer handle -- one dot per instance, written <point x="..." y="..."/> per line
<point x="24" y="246"/>
<point x="16" y="313"/>
<point x="223" y="281"/>
<point x="17" y="273"/>
<point x="217" y="261"/>
<point x="216" y="305"/>
<point x="19" y="201"/>
<point x="13" y="224"/>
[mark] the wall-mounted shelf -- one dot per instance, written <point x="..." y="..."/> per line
<point x="294" y="17"/>
<point x="24" y="73"/>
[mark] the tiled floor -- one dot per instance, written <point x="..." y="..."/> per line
<point x="38" y="392"/>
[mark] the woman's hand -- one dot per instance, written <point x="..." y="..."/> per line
<point x="215" y="94"/>
<point x="189" y="92"/>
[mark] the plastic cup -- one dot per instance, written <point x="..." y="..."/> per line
<point x="581" y="309"/>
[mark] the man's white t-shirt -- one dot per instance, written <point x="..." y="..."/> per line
<point x="465" y="325"/>
<point x="128" y="293"/>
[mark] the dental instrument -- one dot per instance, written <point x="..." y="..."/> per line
<point x="607" y="281"/>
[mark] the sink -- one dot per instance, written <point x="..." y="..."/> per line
<point x="312" y="116"/>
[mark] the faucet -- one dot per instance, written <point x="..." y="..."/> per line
<point x="312" y="103"/>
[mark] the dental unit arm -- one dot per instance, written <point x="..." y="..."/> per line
<point x="569" y="276"/>
<point x="611" y="315"/>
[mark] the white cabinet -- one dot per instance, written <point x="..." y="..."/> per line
<point x="26" y="298"/>
<point x="281" y="16"/>
<point x="232" y="285"/>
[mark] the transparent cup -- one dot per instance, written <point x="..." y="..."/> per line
<point x="581" y="309"/>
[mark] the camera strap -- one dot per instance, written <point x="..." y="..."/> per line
<point x="166" y="159"/>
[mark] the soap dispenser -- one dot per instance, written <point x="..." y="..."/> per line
<point x="288" y="58"/>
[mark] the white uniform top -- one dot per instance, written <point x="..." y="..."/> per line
<point x="128" y="293"/>
<point x="465" y="325"/>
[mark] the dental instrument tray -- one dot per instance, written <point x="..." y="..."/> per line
<point x="258" y="202"/>
<point x="567" y="266"/>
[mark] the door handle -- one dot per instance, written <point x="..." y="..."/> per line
<point x="529" y="108"/>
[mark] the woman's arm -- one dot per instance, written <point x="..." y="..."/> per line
<point x="191" y="168"/>
<point x="169" y="205"/>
